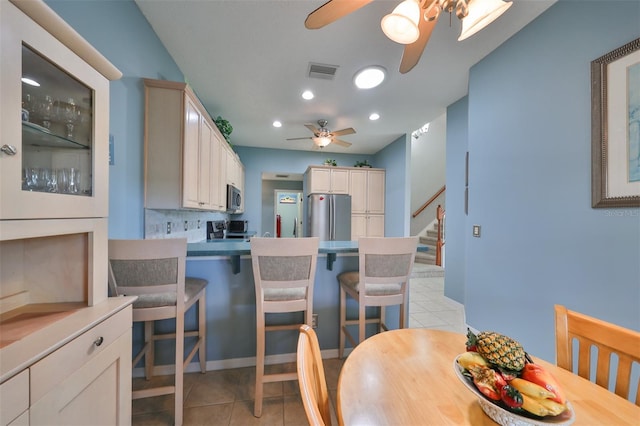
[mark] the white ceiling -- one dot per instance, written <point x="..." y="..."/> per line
<point x="248" y="61"/>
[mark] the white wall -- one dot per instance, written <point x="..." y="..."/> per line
<point x="428" y="163"/>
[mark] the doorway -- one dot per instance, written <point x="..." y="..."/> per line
<point x="288" y="214"/>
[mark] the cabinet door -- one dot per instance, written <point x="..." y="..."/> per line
<point x="358" y="191"/>
<point x="205" y="153"/>
<point x="375" y="225"/>
<point x="218" y="179"/>
<point x="319" y="180"/>
<point x="358" y="226"/>
<point x="55" y="161"/>
<point x="190" y="160"/>
<point x="375" y="191"/>
<point x="97" y="393"/>
<point x="339" y="181"/>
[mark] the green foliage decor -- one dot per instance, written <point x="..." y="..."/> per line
<point x="224" y="126"/>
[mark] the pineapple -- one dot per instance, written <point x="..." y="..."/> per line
<point x="498" y="349"/>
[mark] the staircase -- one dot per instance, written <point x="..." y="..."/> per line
<point x="429" y="238"/>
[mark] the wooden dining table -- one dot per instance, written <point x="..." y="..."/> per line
<point x="406" y="377"/>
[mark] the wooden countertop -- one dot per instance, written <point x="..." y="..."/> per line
<point x="35" y="331"/>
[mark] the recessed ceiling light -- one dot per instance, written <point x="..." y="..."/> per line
<point x="374" y="116"/>
<point x="369" y="77"/>
<point x="277" y="124"/>
<point x="30" y="82"/>
<point x="307" y="94"/>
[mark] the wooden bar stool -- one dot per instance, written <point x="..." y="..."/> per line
<point x="154" y="270"/>
<point x="284" y="271"/>
<point x="385" y="266"/>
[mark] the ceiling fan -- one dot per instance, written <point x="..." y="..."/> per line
<point x="323" y="136"/>
<point x="412" y="21"/>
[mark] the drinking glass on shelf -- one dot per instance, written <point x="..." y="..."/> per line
<point x="74" y="180"/>
<point x="63" y="180"/>
<point x="70" y="115"/>
<point x="46" y="111"/>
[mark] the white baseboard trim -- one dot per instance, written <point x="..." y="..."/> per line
<point x="194" y="367"/>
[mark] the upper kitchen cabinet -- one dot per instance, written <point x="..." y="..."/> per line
<point x="182" y="150"/>
<point x="327" y="180"/>
<point x="54" y="122"/>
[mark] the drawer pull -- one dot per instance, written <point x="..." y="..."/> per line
<point x="98" y="341"/>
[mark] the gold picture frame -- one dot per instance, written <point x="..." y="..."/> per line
<point x="615" y="128"/>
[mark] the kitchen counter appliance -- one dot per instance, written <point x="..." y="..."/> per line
<point x="215" y="229"/>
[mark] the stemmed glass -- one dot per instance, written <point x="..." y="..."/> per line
<point x="70" y="115"/>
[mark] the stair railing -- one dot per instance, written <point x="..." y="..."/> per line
<point x="440" y="216"/>
<point x="429" y="201"/>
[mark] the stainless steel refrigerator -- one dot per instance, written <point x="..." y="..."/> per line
<point x="329" y="217"/>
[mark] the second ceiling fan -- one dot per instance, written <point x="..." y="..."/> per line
<point x="412" y="21"/>
<point x="323" y="136"/>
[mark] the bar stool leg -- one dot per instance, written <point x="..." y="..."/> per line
<point x="362" y="321"/>
<point x="260" y="348"/>
<point x="202" y="332"/>
<point x="150" y="349"/>
<point x="343" y="318"/>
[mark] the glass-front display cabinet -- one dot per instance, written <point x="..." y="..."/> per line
<point x="54" y="131"/>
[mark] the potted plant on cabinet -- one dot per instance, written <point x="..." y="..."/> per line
<point x="225" y="127"/>
<point x="364" y="163"/>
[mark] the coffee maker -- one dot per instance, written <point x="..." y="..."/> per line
<point x="215" y="229"/>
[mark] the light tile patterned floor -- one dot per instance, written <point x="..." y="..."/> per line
<point x="225" y="397"/>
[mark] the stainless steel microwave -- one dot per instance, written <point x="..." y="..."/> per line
<point x="234" y="198"/>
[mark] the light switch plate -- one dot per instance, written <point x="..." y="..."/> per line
<point x="476" y="231"/>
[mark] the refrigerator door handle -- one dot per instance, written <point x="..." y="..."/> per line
<point x="332" y="216"/>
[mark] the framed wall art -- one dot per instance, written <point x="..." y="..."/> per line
<point x="615" y="128"/>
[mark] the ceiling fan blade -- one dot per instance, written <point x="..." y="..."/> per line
<point x="341" y="143"/>
<point x="412" y="52"/>
<point x="298" y="139"/>
<point x="343" y="132"/>
<point x="313" y="128"/>
<point x="332" y="11"/>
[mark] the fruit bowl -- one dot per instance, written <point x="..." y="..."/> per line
<point x="504" y="416"/>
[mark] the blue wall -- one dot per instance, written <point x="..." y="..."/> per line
<point x="122" y="34"/>
<point x="529" y="139"/>
<point x="456" y="227"/>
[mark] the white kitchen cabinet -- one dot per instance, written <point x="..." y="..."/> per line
<point x="363" y="225"/>
<point x="53" y="237"/>
<point x="218" y="173"/>
<point x="180" y="157"/>
<point x="56" y="156"/>
<point x="235" y="173"/>
<point x="327" y="180"/>
<point x="95" y="366"/>
<point x="367" y="190"/>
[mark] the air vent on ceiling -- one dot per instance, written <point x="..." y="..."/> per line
<point x="323" y="71"/>
<point x="282" y="176"/>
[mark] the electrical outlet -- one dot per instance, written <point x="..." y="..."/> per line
<point x="476" y="231"/>
<point x="314" y="321"/>
<point x="186" y="225"/>
<point x="168" y="228"/>
<point x="198" y="223"/>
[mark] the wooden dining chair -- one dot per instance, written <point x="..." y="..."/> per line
<point x="614" y="344"/>
<point x="284" y="271"/>
<point x="384" y="268"/>
<point x="154" y="270"/>
<point x="313" y="385"/>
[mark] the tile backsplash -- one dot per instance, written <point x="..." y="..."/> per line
<point x="179" y="224"/>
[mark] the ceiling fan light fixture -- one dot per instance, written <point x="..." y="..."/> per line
<point x="369" y="77"/>
<point x="321" y="141"/>
<point x="481" y="14"/>
<point x="401" y="25"/>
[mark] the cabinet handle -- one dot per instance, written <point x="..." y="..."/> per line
<point x="98" y="341"/>
<point x="9" y="149"/>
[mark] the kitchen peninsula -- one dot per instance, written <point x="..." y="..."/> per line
<point x="231" y="311"/>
